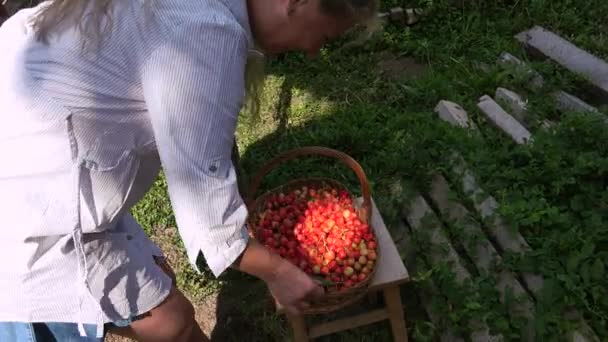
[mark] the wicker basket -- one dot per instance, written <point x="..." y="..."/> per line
<point x="333" y="300"/>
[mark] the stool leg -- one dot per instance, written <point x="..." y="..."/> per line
<point x="392" y="297"/>
<point x="372" y="298"/>
<point x="298" y="324"/>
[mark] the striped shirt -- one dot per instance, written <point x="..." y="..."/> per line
<point x="83" y="135"/>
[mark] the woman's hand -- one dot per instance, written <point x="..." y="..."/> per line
<point x="292" y="288"/>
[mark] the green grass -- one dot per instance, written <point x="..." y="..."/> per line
<point x="553" y="191"/>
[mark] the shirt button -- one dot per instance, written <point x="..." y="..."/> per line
<point x="212" y="168"/>
<point x="129" y="237"/>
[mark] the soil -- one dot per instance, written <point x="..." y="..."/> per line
<point x="221" y="314"/>
<point x="399" y="68"/>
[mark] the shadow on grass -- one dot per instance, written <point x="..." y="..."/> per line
<point x="386" y="141"/>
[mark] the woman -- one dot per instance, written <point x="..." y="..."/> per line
<point x="97" y="96"/>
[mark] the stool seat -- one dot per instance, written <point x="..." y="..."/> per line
<point x="390" y="274"/>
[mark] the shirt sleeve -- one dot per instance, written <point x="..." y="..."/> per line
<point x="193" y="84"/>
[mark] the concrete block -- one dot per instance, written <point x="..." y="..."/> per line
<point x="565" y="101"/>
<point x="517" y="105"/>
<point x="421" y="218"/>
<point x="545" y="43"/>
<point x="569" y="102"/>
<point x="483" y="253"/>
<point x="503" y="120"/>
<point x="487" y="206"/>
<point x="507" y="59"/>
<point x="453" y="113"/>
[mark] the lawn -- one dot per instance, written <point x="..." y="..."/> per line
<point x="375" y="102"/>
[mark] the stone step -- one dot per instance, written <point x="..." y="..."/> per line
<point x="508" y="60"/>
<point x="422" y="219"/>
<point x="517" y="106"/>
<point x="544" y="43"/>
<point x="486" y="205"/>
<point x="427" y="290"/>
<point x="483" y="253"/>
<point x="569" y="102"/>
<point x="564" y="100"/>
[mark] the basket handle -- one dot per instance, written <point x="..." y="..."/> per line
<point x="365" y="211"/>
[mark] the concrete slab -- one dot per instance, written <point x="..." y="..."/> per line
<point x="569" y="102"/>
<point x="421" y="218"/>
<point x="503" y="120"/>
<point x="517" y="105"/>
<point x="507" y="59"/>
<point x="453" y="113"/>
<point x="483" y="253"/>
<point x="544" y="43"/>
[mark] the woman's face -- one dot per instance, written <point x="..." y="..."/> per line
<point x="298" y="25"/>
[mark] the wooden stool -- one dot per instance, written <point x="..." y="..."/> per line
<point x="391" y="273"/>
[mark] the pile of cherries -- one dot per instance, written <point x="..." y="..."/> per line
<point x="318" y="229"/>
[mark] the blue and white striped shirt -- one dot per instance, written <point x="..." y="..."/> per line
<point x="83" y="134"/>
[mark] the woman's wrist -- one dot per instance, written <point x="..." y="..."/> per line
<point x="259" y="261"/>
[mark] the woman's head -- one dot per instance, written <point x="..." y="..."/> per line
<point x="305" y="25"/>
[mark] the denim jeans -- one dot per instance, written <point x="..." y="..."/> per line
<point x="53" y="332"/>
<point x="46" y="332"/>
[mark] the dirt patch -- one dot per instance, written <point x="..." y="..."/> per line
<point x="398" y="68"/>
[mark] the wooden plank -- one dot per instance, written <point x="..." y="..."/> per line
<point x="298" y="326"/>
<point x="390" y="268"/>
<point x="352" y="322"/>
<point x="394" y="306"/>
<point x="542" y="42"/>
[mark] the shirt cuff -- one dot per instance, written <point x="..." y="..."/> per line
<point x="220" y="255"/>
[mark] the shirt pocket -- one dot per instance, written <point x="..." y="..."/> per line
<point x="110" y="164"/>
<point x="105" y="188"/>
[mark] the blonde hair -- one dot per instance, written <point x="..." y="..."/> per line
<point x="65" y="12"/>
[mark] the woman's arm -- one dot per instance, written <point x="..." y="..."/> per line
<point x="290" y="286"/>
<point x="193" y="85"/>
